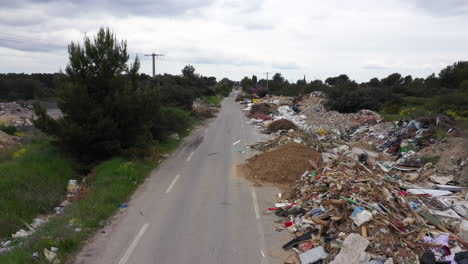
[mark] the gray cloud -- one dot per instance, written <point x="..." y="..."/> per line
<point x="375" y="66"/>
<point x="124" y="7"/>
<point x="442" y="8"/>
<point x="29" y="46"/>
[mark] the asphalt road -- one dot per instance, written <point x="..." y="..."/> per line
<point x="193" y="208"/>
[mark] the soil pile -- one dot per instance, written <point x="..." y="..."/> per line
<point x="281" y="124"/>
<point x="283" y="165"/>
<point x="262" y="110"/>
<point x="6" y="141"/>
<point x="450" y="158"/>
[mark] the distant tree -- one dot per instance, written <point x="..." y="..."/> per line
<point x="224" y="87"/>
<point x="247" y="84"/>
<point x="254" y="79"/>
<point x="453" y="75"/>
<point x="392" y="80"/>
<point x="407" y="80"/>
<point x="374" y="82"/>
<point x="188" y="71"/>
<point x="105" y="110"/>
<point x="334" y="80"/>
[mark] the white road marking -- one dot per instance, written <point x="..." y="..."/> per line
<point x="172" y="183"/>
<point x="206" y="130"/>
<point x="133" y="245"/>
<point x="235" y="143"/>
<point x="190" y="156"/>
<point x="254" y="198"/>
<point x="263" y="254"/>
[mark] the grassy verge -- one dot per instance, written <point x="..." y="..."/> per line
<point x="213" y="100"/>
<point x="109" y="185"/>
<point x="31" y="183"/>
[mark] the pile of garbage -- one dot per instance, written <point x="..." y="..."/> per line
<point x="309" y="114"/>
<point x="380" y="192"/>
<point x="202" y="110"/>
<point x="15" y="114"/>
<point x="284" y="137"/>
<point x="354" y="207"/>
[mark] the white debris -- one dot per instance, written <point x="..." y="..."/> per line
<point x="353" y="251"/>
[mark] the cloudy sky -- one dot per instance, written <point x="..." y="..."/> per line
<point x="234" y="38"/>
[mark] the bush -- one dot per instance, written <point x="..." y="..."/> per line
<point x="177" y="96"/>
<point x="172" y="120"/>
<point x="262" y="92"/>
<point x="10" y="130"/>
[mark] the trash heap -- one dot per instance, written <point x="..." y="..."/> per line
<point x="202" y="110"/>
<point x="376" y="195"/>
<point x="284" y="137"/>
<point x="353" y="209"/>
<point x="16" y="114"/>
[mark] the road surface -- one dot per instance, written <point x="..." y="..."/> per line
<point x="193" y="208"/>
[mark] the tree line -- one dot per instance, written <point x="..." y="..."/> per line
<point x="446" y="92"/>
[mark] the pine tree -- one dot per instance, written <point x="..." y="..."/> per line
<point x="105" y="110"/>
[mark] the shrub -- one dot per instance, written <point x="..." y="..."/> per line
<point x="172" y="120"/>
<point x="10" y="130"/>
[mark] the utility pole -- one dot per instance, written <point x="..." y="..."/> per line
<point x="267" y="73"/>
<point x="154" y="55"/>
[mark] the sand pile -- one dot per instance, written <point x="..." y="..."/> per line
<point x="283" y="165"/>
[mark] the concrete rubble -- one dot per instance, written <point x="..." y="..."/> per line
<point x="16" y="114"/>
<point x="370" y="192"/>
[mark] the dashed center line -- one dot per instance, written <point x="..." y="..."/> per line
<point x="133" y="245"/>
<point x="172" y="183"/>
<point x="263" y="254"/>
<point x="190" y="156"/>
<point x="255" y="203"/>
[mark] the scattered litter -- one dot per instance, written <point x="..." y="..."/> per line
<point x="313" y="255"/>
<point x="124" y="205"/>
<point x="353" y="251"/>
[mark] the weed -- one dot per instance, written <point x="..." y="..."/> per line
<point x="31" y="184"/>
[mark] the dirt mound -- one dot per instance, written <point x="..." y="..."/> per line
<point x="450" y="158"/>
<point x="283" y="165"/>
<point x="261" y="109"/>
<point x="6" y="140"/>
<point x="281" y="124"/>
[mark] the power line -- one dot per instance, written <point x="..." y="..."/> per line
<point x="30" y="39"/>
<point x="16" y="40"/>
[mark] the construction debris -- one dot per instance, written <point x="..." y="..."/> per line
<point x="363" y="190"/>
<point x="15" y="114"/>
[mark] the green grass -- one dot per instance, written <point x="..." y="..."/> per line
<point x="213" y="100"/>
<point x="31" y="184"/>
<point x="110" y="184"/>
